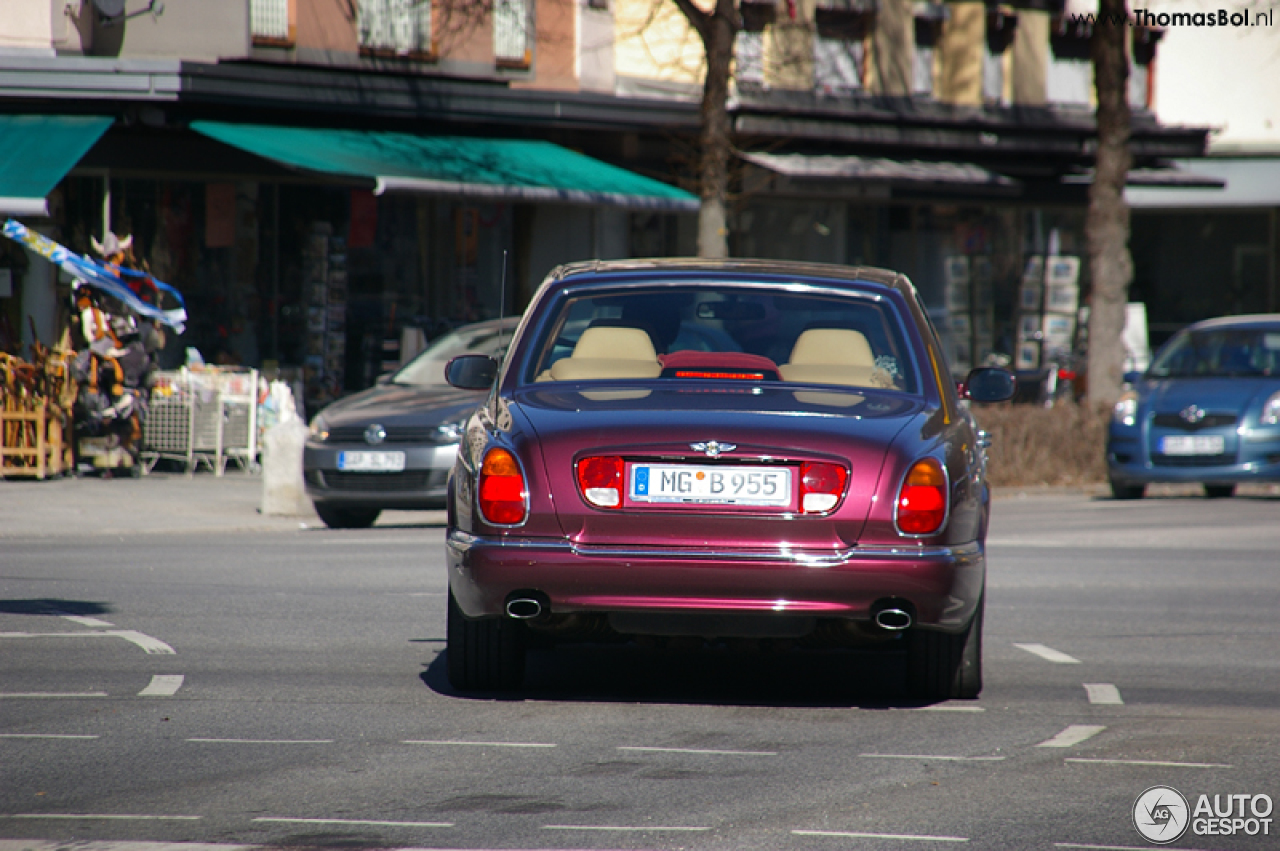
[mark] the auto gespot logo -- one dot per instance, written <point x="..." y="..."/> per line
<point x="1162" y="815"/>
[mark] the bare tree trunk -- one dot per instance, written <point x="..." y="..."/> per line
<point x="718" y="30"/>
<point x="1107" y="226"/>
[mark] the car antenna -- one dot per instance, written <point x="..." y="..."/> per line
<point x="502" y="309"/>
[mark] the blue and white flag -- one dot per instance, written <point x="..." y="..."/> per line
<point x="89" y="272"/>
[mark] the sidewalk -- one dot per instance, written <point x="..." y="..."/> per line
<point x="161" y="502"/>
<point x="154" y="504"/>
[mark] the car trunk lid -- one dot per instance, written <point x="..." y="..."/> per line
<point x="711" y="467"/>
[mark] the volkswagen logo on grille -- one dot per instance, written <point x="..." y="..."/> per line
<point x="713" y="448"/>
<point x="375" y="434"/>
<point x="1192" y="414"/>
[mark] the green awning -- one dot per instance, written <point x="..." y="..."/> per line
<point x="498" y="169"/>
<point x="36" y="152"/>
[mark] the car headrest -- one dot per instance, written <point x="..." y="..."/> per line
<point x="833" y="346"/>
<point x="615" y="343"/>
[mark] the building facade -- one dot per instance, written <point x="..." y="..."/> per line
<point x="317" y="175"/>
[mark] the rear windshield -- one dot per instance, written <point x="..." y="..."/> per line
<point x="726" y="333"/>
<point x="1220" y="352"/>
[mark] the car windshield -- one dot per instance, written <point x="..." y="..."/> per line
<point x="1253" y="351"/>
<point x="727" y="332"/>
<point x="427" y="369"/>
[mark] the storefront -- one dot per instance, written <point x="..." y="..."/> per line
<point x="327" y="264"/>
<point x="1002" y="277"/>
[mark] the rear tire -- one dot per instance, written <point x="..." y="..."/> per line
<point x="942" y="666"/>
<point x="1123" y="491"/>
<point x="484" y="654"/>
<point x="1219" y="491"/>
<point x="347" y="518"/>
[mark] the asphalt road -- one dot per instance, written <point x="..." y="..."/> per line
<point x="273" y="683"/>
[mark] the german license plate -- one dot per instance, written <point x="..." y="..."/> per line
<point x="709" y="485"/>
<point x="371" y="462"/>
<point x="1193" y="444"/>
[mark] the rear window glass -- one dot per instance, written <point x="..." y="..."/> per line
<point x="711" y="332"/>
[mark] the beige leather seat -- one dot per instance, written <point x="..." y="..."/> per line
<point x="606" y="352"/>
<point x="834" y="356"/>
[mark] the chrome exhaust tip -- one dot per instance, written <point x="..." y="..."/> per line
<point x="524" y="608"/>
<point x="894" y="620"/>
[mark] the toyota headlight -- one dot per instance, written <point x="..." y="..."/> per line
<point x="1126" y="409"/>
<point x="319" y="429"/>
<point x="1271" y="410"/>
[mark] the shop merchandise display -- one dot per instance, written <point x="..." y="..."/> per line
<point x="105" y="364"/>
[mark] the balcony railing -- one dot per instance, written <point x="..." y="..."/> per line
<point x="269" y="21"/>
<point x="511" y="26"/>
<point x="395" y="27"/>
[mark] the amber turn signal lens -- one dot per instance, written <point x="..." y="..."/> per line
<point x="502" y="489"/>
<point x="922" y="504"/>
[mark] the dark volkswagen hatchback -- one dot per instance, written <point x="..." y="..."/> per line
<point x="733" y="451"/>
<point x="392" y="446"/>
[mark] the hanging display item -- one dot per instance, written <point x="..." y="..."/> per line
<point x="129" y="286"/>
<point x="121" y="313"/>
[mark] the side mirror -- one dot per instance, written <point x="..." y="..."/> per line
<point x="1132" y="377"/>
<point x="385" y="378"/>
<point x="471" y="372"/>
<point x="989" y="384"/>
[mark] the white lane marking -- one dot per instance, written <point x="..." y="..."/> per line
<point x="104" y="817"/>
<point x="43" y="694"/>
<point x="262" y="741"/>
<point x="1073" y="735"/>
<point x="477" y="744"/>
<point x="355" y="822"/>
<point x="699" y="751"/>
<point x="948" y="707"/>
<point x="1104" y="694"/>
<point x="41" y="736"/>
<point x="620" y="827"/>
<point x="910" y="837"/>
<point x="1049" y="653"/>
<point x="1155" y="762"/>
<point x="153" y="646"/>
<point x="86" y="621"/>
<point x="931" y="756"/>
<point x="162" y="685"/>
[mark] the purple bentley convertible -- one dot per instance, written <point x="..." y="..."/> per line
<point x="724" y="450"/>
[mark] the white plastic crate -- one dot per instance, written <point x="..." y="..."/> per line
<point x="206" y="417"/>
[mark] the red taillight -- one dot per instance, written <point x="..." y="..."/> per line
<point x="821" y="486"/>
<point x="502" y="489"/>
<point x="922" y="504"/>
<point x="600" y="480"/>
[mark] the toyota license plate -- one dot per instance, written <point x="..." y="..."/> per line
<point x="1193" y="444"/>
<point x="371" y="462"/>
<point x="709" y="485"/>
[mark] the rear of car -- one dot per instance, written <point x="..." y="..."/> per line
<point x="1206" y="412"/>
<point x="741" y="453"/>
